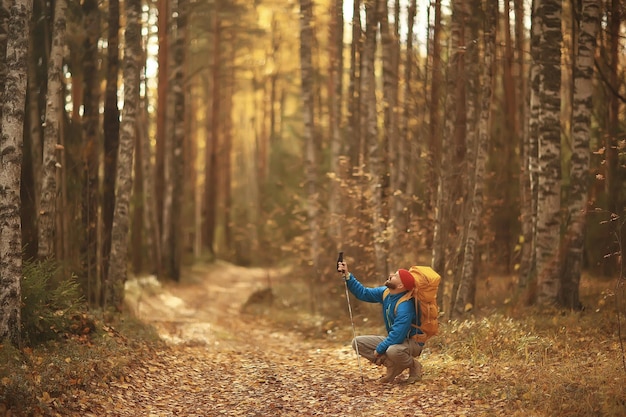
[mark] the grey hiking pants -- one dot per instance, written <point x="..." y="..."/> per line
<point x="397" y="358"/>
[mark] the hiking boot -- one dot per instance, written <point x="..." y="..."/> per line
<point x="415" y="372"/>
<point x="392" y="373"/>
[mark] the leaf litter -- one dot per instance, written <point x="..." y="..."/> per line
<point x="219" y="362"/>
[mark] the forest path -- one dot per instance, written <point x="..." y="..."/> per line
<point x="220" y="362"/>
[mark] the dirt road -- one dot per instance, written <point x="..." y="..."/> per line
<point x="220" y="362"/>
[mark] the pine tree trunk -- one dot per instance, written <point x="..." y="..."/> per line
<point x="579" y="166"/>
<point x="212" y="148"/>
<point x="307" y="74"/>
<point x="172" y="219"/>
<point x="354" y="97"/>
<point x="390" y="45"/>
<point x="162" y="116"/>
<point x="132" y="63"/>
<point x="111" y="134"/>
<point x="528" y="148"/>
<point x="375" y="152"/>
<point x="435" y="145"/>
<point x="150" y="218"/>
<point x="530" y="158"/>
<point x="228" y="148"/>
<point x="12" y="128"/>
<point x="549" y="151"/>
<point x="91" y="154"/>
<point x="47" y="209"/>
<point x="402" y="205"/>
<point x="335" y="99"/>
<point x="35" y="137"/>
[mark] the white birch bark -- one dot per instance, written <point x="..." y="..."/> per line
<point x="12" y="128"/>
<point x="548" y="231"/>
<point x="51" y="142"/>
<point x="579" y="165"/>
<point x="118" y="261"/>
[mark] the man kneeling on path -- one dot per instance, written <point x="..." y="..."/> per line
<point x="397" y="351"/>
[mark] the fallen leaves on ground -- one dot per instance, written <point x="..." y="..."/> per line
<point x="218" y="361"/>
<point x="222" y="363"/>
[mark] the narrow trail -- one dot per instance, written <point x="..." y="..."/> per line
<point x="220" y="362"/>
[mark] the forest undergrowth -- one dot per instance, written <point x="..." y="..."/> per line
<point x="232" y="341"/>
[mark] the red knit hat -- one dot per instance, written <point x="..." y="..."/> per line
<point x="407" y="279"/>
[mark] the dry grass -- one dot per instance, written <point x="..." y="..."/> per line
<point x="538" y="362"/>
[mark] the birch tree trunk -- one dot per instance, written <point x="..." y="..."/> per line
<point x="579" y="165"/>
<point x="47" y="209"/>
<point x="480" y="155"/>
<point x="549" y="151"/>
<point x="12" y="129"/>
<point x="306" y="62"/>
<point x="118" y="262"/>
<point x="4" y="28"/>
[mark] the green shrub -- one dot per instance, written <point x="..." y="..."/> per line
<point x="50" y="302"/>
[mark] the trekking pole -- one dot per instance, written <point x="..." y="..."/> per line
<point x="356" y="345"/>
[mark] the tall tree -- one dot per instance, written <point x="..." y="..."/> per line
<point x="12" y="129"/>
<point x="310" y="167"/>
<point x="549" y="151"/>
<point x="445" y="221"/>
<point x="480" y="156"/>
<point x="405" y="144"/>
<point x="51" y="146"/>
<point x="111" y="130"/>
<point x="354" y="98"/>
<point x="132" y="64"/>
<point x="335" y="96"/>
<point x="528" y="148"/>
<point x="613" y="172"/>
<point x="91" y="141"/>
<point x="211" y="182"/>
<point x="579" y="165"/>
<point x="390" y="46"/>
<point x="4" y="16"/>
<point x="375" y="156"/>
<point x="172" y="215"/>
<point x="435" y="131"/>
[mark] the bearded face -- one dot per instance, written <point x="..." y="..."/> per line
<point x="391" y="285"/>
<point x="393" y="281"/>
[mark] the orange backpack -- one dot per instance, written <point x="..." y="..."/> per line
<point x="425" y="295"/>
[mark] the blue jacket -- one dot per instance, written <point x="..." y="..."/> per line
<point x="398" y="324"/>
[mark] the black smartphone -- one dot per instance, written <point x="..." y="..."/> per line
<point x="340" y="259"/>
